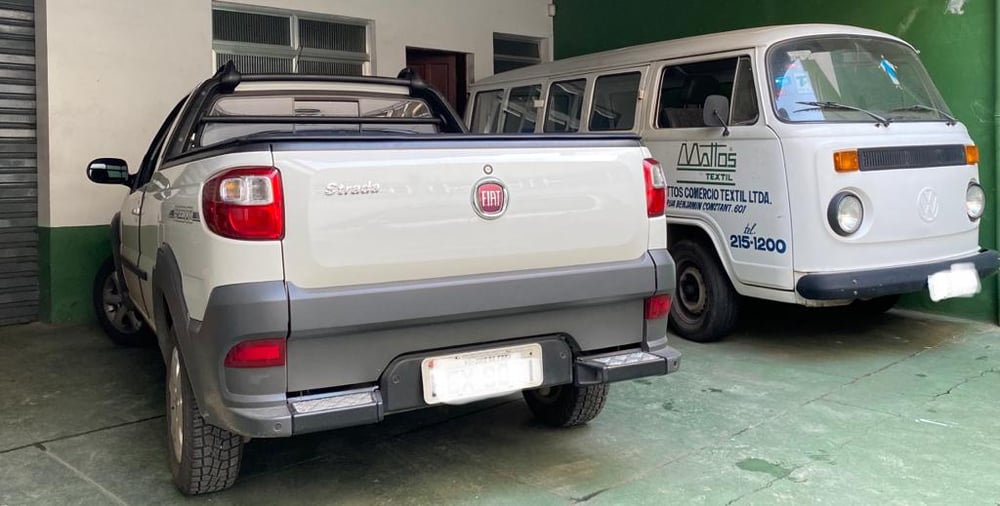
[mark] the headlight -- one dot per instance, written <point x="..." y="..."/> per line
<point x="845" y="213"/>
<point x="975" y="201"/>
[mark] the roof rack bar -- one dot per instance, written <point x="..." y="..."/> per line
<point x="322" y="120"/>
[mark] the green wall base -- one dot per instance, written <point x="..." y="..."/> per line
<point x="68" y="261"/>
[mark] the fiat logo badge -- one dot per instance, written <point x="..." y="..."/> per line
<point x="489" y="198"/>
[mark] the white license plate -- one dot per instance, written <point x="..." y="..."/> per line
<point x="467" y="377"/>
<point x="962" y="280"/>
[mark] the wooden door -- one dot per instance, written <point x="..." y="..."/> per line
<point x="442" y="70"/>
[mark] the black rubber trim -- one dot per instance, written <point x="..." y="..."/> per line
<point x="128" y="265"/>
<point x="322" y="120"/>
<point x="893" y="281"/>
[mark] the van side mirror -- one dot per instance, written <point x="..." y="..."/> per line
<point x="716" y="112"/>
<point x="108" y="171"/>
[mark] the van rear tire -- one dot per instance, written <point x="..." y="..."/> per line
<point x="706" y="307"/>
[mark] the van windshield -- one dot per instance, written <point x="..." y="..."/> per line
<point x="851" y="79"/>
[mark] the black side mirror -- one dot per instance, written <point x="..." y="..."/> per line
<point x="108" y="171"/>
<point x="716" y="112"/>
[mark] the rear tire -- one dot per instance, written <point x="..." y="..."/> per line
<point x="567" y="405"/>
<point x="706" y="308"/>
<point x="203" y="458"/>
<point x="120" y="321"/>
<point x="874" y="307"/>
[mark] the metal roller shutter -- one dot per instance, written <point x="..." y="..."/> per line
<point x="18" y="168"/>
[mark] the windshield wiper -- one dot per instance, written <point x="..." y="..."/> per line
<point x="844" y="107"/>
<point x="921" y="107"/>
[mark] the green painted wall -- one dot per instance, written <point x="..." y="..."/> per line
<point x="69" y="258"/>
<point x="959" y="51"/>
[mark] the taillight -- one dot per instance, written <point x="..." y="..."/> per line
<point x="257" y="353"/>
<point x="245" y="203"/>
<point x="656" y="187"/>
<point x="656" y="307"/>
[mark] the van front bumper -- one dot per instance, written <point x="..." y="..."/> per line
<point x="891" y="281"/>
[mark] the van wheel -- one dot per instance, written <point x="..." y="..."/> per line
<point x="705" y="306"/>
<point x="120" y="321"/>
<point x="874" y="307"/>
<point x="203" y="458"/>
<point x="567" y="405"/>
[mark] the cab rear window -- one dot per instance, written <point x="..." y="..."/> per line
<point x="312" y="109"/>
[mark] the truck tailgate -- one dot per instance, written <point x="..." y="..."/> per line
<point x="378" y="211"/>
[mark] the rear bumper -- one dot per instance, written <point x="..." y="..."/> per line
<point x="396" y="391"/>
<point x="880" y="282"/>
<point x="354" y="354"/>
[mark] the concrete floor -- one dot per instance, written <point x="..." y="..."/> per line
<point x="800" y="407"/>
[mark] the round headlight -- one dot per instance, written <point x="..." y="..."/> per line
<point x="845" y="213"/>
<point x="975" y="201"/>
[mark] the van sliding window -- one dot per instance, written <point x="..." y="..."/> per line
<point x="565" y="105"/>
<point x="519" y="116"/>
<point x="615" y="98"/>
<point x="486" y="112"/>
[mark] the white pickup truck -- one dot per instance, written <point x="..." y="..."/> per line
<point x="318" y="252"/>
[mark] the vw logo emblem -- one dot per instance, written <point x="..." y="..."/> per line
<point x="927" y="205"/>
<point x="489" y="198"/>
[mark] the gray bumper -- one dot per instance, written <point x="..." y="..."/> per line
<point x="354" y="353"/>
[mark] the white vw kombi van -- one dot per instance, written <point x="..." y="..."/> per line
<point x="809" y="164"/>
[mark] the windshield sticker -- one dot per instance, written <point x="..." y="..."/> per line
<point x="890" y="70"/>
<point x="794" y="86"/>
<point x="712" y="164"/>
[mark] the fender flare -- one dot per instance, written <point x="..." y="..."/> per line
<point x="721" y="252"/>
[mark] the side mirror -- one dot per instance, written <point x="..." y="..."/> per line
<point x="716" y="112"/>
<point x="108" y="171"/>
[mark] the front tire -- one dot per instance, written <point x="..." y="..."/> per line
<point x="706" y="307"/>
<point x="120" y="321"/>
<point x="567" y="405"/>
<point x="203" y="458"/>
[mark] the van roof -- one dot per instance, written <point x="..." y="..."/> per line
<point x="761" y="37"/>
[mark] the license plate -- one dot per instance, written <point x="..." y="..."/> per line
<point x="467" y="377"/>
<point x="962" y="280"/>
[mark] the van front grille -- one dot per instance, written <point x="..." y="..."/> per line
<point x="911" y="157"/>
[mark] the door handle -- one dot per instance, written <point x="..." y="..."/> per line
<point x="136" y="211"/>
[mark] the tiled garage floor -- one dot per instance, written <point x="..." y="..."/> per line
<point x="800" y="407"/>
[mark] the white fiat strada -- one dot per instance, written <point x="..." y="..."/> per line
<point x="318" y="252"/>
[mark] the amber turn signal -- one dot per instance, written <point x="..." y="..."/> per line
<point x="846" y="161"/>
<point x="971" y="155"/>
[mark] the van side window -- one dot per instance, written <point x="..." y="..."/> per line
<point x="519" y="117"/>
<point x="615" y="99"/>
<point x="565" y="105"/>
<point x="684" y="88"/>
<point x="486" y="112"/>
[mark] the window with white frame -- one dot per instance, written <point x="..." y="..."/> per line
<point x="515" y="51"/>
<point x="262" y="40"/>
